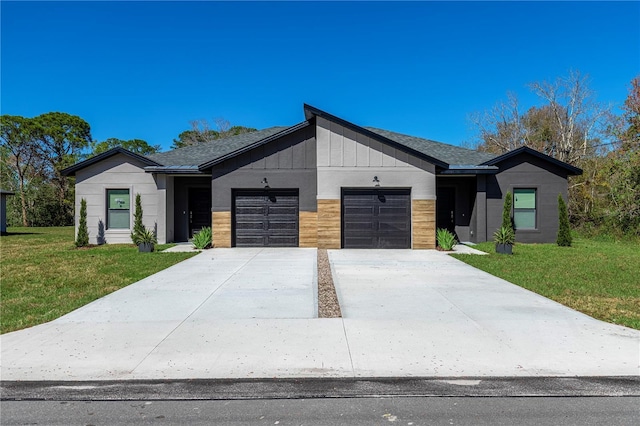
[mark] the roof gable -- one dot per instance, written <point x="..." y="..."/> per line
<point x="71" y="171"/>
<point x="438" y="153"/>
<point x="526" y="150"/>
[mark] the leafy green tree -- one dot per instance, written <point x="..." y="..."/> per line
<point x="506" y="211"/>
<point x="20" y="155"/>
<point x="82" y="239"/>
<point x="137" y="146"/>
<point x="138" y="227"/>
<point x="564" y="230"/>
<point x="61" y="137"/>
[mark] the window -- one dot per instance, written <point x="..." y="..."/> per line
<point x="524" y="208"/>
<point x="118" y="203"/>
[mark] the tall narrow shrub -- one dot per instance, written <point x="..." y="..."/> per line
<point x="506" y="211"/>
<point x="138" y="227"/>
<point x="82" y="239"/>
<point x="564" y="231"/>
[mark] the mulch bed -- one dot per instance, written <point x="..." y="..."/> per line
<point x="328" y="306"/>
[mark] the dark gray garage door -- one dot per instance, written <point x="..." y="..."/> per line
<point x="376" y="218"/>
<point x="266" y="218"/>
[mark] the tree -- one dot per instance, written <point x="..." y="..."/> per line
<point x="22" y="154"/>
<point x="137" y="146"/>
<point x="506" y="211"/>
<point x="138" y="227"/>
<point x="569" y="126"/>
<point x="564" y="230"/>
<point x="201" y="132"/>
<point x="82" y="239"/>
<point x="578" y="117"/>
<point x="61" y="137"/>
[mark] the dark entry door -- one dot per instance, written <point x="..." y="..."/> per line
<point x="445" y="210"/>
<point x="376" y="218"/>
<point x="199" y="209"/>
<point x="266" y="218"/>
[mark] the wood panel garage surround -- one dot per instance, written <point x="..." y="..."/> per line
<point x="329" y="224"/>
<point x="221" y="229"/>
<point x="423" y="224"/>
<point x="308" y="224"/>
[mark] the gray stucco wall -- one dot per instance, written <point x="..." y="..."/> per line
<point x="287" y="163"/>
<point x="527" y="171"/>
<point x="350" y="159"/>
<point x="118" y="172"/>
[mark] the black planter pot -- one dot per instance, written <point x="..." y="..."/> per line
<point x="145" y="247"/>
<point x="504" y="248"/>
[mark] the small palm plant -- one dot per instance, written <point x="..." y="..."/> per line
<point x="505" y="238"/>
<point x="446" y="240"/>
<point x="202" y="240"/>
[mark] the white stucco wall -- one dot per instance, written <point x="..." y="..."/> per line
<point x="349" y="159"/>
<point x="121" y="172"/>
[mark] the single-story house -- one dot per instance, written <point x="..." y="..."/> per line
<point x="3" y="210"/>
<point x="324" y="182"/>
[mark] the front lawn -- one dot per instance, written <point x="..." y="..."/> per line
<point x="599" y="278"/>
<point x="44" y="276"/>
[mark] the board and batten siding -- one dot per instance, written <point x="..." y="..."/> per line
<point x="287" y="163"/>
<point x="121" y="172"/>
<point x="527" y="171"/>
<point x="349" y="159"/>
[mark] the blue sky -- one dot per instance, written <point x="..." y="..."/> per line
<point x="146" y="69"/>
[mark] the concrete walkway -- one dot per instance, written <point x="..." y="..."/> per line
<point x="244" y="313"/>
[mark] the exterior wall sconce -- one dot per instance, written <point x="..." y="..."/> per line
<point x="265" y="182"/>
<point x="376" y="181"/>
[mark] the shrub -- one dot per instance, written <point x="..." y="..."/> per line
<point x="504" y="235"/>
<point x="138" y="227"/>
<point x="446" y="240"/>
<point x="506" y="211"/>
<point x="564" y="230"/>
<point x="83" y="233"/>
<point x="147" y="236"/>
<point x="202" y="239"/>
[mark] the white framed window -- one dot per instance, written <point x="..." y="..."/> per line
<point x="118" y="209"/>
<point x="524" y="208"/>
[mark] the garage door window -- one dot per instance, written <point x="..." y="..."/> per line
<point x="118" y="206"/>
<point x="524" y="208"/>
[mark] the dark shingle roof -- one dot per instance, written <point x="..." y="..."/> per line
<point x="450" y="154"/>
<point x="201" y="153"/>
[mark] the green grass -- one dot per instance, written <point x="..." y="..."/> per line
<point x="44" y="276"/>
<point x="598" y="277"/>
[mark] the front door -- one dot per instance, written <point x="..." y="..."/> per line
<point x="445" y="210"/>
<point x="199" y="209"/>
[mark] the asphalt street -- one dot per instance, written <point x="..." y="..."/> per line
<point x="410" y="411"/>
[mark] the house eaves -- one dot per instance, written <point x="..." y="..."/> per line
<point x="526" y="150"/>
<point x="174" y="170"/>
<point x="246" y="148"/>
<point x="71" y="171"/>
<point x="470" y="170"/>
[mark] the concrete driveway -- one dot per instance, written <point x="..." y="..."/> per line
<point x="244" y="313"/>
<point x="432" y="315"/>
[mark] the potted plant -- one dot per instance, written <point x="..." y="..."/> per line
<point x="145" y="239"/>
<point x="504" y="238"/>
